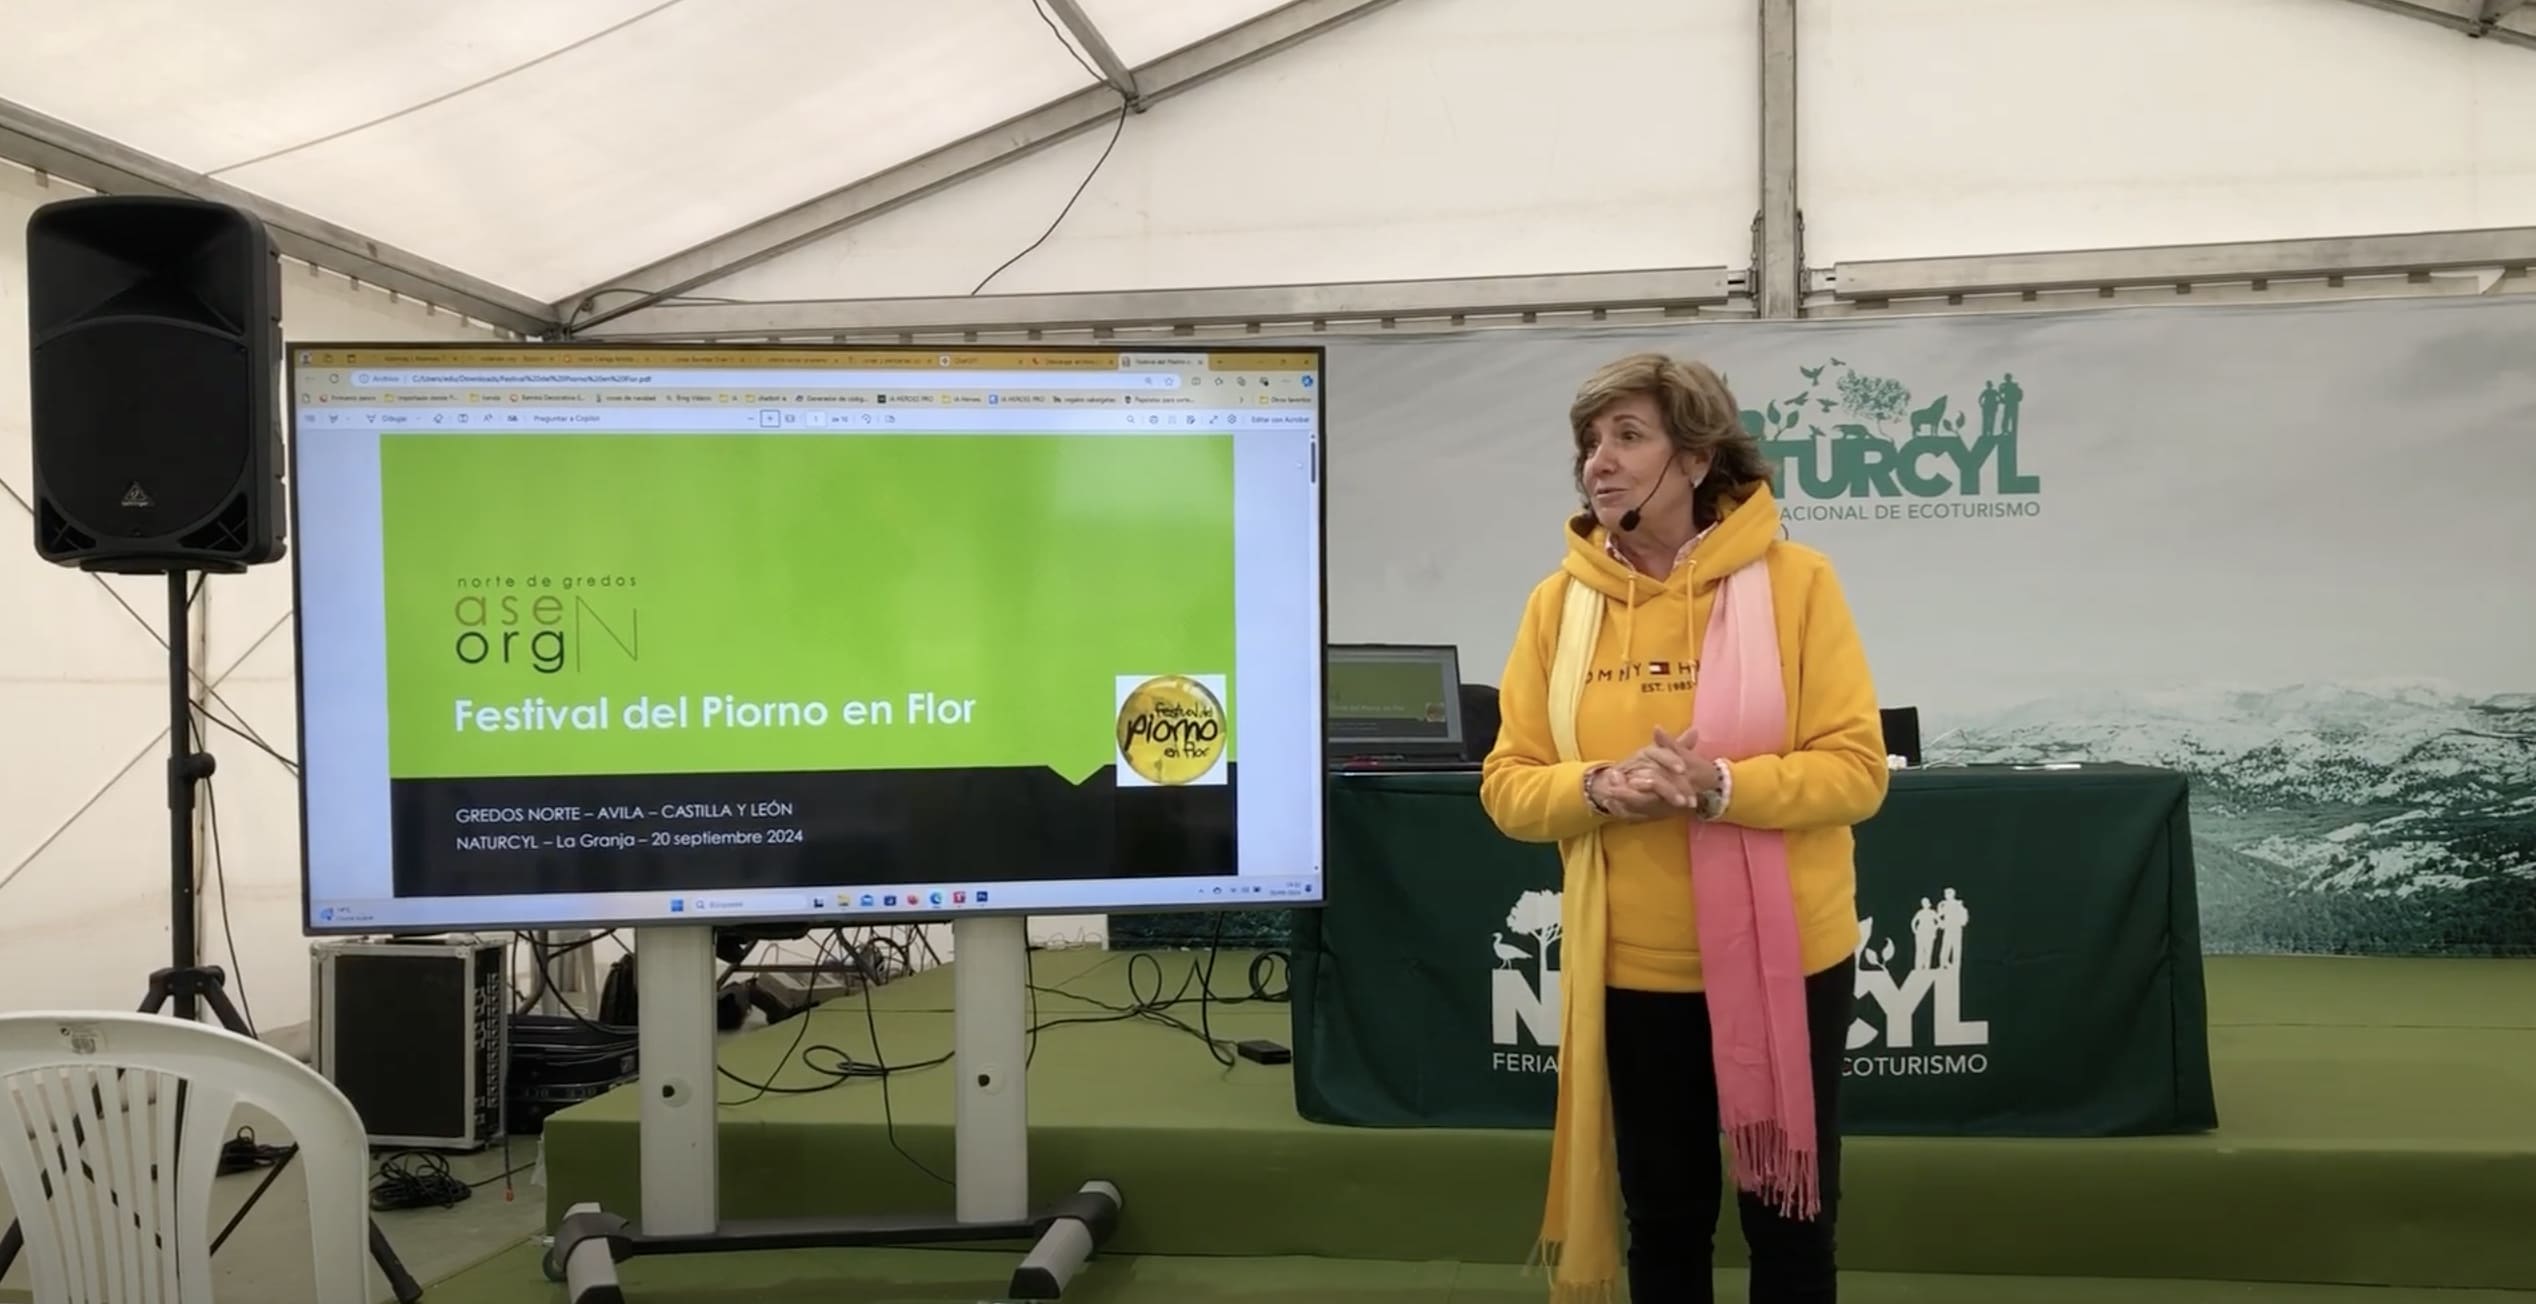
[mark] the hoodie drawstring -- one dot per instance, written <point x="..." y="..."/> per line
<point x="1629" y="623"/>
<point x="1690" y="616"/>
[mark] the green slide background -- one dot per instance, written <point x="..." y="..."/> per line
<point x="1025" y="571"/>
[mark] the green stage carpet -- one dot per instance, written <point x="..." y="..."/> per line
<point x="958" y="1276"/>
<point x="2376" y="1130"/>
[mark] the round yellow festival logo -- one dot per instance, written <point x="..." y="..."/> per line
<point x="1171" y="730"/>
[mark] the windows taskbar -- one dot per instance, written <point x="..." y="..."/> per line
<point x="864" y="902"/>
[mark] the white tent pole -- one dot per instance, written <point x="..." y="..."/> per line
<point x="1779" y="253"/>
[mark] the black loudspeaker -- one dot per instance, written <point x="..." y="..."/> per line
<point x="156" y="333"/>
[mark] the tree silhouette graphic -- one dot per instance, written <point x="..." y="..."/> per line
<point x="1877" y="398"/>
<point x="1536" y="915"/>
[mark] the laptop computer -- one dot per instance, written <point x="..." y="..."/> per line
<point x="1902" y="733"/>
<point x="1395" y="707"/>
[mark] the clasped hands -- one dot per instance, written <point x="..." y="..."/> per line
<point x="1667" y="776"/>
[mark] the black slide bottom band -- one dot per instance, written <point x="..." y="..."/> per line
<point x="731" y="832"/>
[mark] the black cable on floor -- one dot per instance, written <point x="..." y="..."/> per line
<point x="416" y="1179"/>
<point x="242" y="1154"/>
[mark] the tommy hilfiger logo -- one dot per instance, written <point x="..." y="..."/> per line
<point x="1651" y="676"/>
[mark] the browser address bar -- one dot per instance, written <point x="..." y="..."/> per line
<point x="634" y="420"/>
<point x="772" y="379"/>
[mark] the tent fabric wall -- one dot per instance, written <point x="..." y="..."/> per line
<point x="568" y="149"/>
<point x="1501" y="137"/>
<point x="553" y="149"/>
<point x="1470" y="138"/>
<point x="547" y="147"/>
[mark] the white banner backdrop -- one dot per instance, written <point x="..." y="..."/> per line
<point x="2287" y="550"/>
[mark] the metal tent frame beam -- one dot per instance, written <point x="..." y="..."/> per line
<point x="2481" y="19"/>
<point x="1302" y="308"/>
<point x="1088" y="35"/>
<point x="86" y="159"/>
<point x="2415" y="263"/>
<point x="2179" y="265"/>
<point x="1277" y="30"/>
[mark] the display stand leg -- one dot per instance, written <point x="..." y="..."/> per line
<point x="674" y="1031"/>
<point x="990" y="1036"/>
<point x="681" y="1184"/>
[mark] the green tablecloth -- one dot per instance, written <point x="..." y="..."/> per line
<point x="2030" y="960"/>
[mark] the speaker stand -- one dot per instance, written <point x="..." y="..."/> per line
<point x="680" y="1166"/>
<point x="187" y="982"/>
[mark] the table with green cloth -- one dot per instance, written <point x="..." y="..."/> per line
<point x="2029" y="960"/>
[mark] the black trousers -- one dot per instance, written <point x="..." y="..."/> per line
<point x="1672" y="1179"/>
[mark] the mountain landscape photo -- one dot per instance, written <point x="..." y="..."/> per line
<point x="2395" y="818"/>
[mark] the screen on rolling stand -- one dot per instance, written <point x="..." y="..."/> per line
<point x="614" y="635"/>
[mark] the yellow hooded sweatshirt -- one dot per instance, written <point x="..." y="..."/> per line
<point x="1830" y="775"/>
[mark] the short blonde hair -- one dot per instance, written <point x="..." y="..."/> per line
<point x="1700" y="417"/>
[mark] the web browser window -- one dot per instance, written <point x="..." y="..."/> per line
<point x="607" y="635"/>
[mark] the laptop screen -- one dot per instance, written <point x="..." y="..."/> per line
<point x="1395" y="700"/>
<point x="1902" y="734"/>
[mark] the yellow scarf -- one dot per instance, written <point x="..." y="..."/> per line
<point x="1580" y="1229"/>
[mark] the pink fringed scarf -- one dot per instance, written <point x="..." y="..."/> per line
<point x="1750" y="958"/>
<point x="1747" y="936"/>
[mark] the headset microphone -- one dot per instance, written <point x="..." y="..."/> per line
<point x="1629" y="519"/>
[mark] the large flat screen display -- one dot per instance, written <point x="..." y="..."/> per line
<point x="602" y="635"/>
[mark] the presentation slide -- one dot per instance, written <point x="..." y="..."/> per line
<point x="1387" y="698"/>
<point x="1392" y="693"/>
<point x="594" y="636"/>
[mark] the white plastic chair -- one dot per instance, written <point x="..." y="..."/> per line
<point x="135" y="1226"/>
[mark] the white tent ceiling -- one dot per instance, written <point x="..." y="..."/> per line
<point x="546" y="147"/>
<point x="505" y="158"/>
